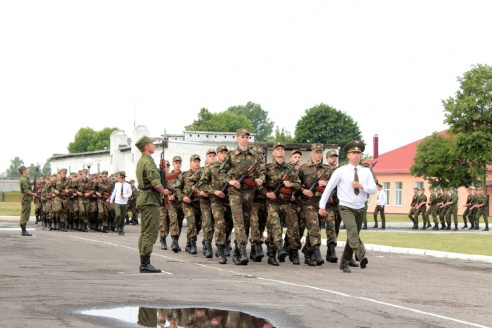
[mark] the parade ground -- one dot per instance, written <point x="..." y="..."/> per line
<point x="54" y="278"/>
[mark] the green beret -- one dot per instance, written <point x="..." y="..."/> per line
<point x="221" y="148"/>
<point x="22" y="169"/>
<point x="194" y="156"/>
<point x="354" y="146"/>
<point x="242" y="131"/>
<point x="278" y="144"/>
<point x="331" y="153"/>
<point x="177" y="158"/>
<point x="295" y="151"/>
<point x="210" y="151"/>
<point x="316" y="147"/>
<point x="142" y="142"/>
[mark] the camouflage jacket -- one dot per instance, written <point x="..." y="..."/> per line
<point x="210" y="180"/>
<point x="61" y="184"/>
<point x="237" y="162"/>
<point x="185" y="187"/>
<point x="308" y="174"/>
<point x="275" y="173"/>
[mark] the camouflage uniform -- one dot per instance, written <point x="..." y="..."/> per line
<point x="432" y="210"/>
<point x="82" y="186"/>
<point x="175" y="212"/>
<point x="452" y="210"/>
<point x="132" y="204"/>
<point x="415" y="200"/>
<point x="485" y="211"/>
<point x="104" y="189"/>
<point x="421" y="209"/>
<point x="61" y="202"/>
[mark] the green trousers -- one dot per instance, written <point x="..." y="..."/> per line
<point x="352" y="218"/>
<point x="149" y="228"/>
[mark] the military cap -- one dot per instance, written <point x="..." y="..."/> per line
<point x="140" y="144"/>
<point x="416" y="188"/>
<point x="480" y="188"/>
<point x="444" y="189"/>
<point x="104" y="173"/>
<point x="422" y="189"/>
<point x="210" y="151"/>
<point x="63" y="170"/>
<point x="132" y="181"/>
<point x="124" y="173"/>
<point x="121" y="174"/>
<point x="316" y="146"/>
<point x="242" y="131"/>
<point x="354" y="146"/>
<point x="471" y="188"/>
<point x="22" y="169"/>
<point x="295" y="151"/>
<point x="177" y="158"/>
<point x="379" y="185"/>
<point x="194" y="156"/>
<point x="221" y="148"/>
<point x="331" y="153"/>
<point x="278" y="144"/>
<point x="431" y="188"/>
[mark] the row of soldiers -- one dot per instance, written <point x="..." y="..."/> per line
<point x="443" y="203"/>
<point x="79" y="201"/>
<point x="238" y="189"/>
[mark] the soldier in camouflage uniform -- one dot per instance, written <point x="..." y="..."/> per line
<point x="452" y="210"/>
<point x="467" y="206"/>
<point x="280" y="180"/>
<point x="48" y="195"/>
<point x="82" y="188"/>
<point x="432" y="202"/>
<point x="103" y="191"/>
<point x="73" y="218"/>
<point x="187" y="191"/>
<point x="175" y="211"/>
<point x="38" y="205"/>
<point x="445" y="208"/>
<point x="93" y="213"/>
<point x="440" y="200"/>
<point x="332" y="213"/>
<point x="132" y="204"/>
<point x="237" y="163"/>
<point x="485" y="209"/>
<point x="313" y="174"/>
<point x="296" y="230"/>
<point x="62" y="197"/>
<point x="420" y="208"/>
<point x="164" y="216"/>
<point x="413" y="205"/>
<point x="211" y="183"/>
<point x="473" y="209"/>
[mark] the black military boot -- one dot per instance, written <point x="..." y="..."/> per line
<point x="57" y="224"/>
<point x="271" y="257"/>
<point x="332" y="258"/>
<point x="175" y="245"/>
<point x="443" y="226"/>
<point x="193" y="249"/>
<point x="236" y="256"/>
<point x="465" y="226"/>
<point x="477" y="226"/>
<point x="436" y="227"/>
<point x="259" y="252"/>
<point x="222" y="257"/>
<point x="209" y="252"/>
<point x="63" y="226"/>
<point x="146" y="267"/>
<point x="364" y="226"/>
<point x="105" y="229"/>
<point x="163" y="243"/>
<point x="309" y="258"/>
<point x="282" y="252"/>
<point x="428" y="224"/>
<point x="188" y="246"/>
<point x="25" y="232"/>
<point x="448" y="227"/>
<point x="295" y="256"/>
<point x="227" y="249"/>
<point x="252" y="253"/>
<point x="455" y="227"/>
<point x="317" y="256"/>
<point x="85" y="228"/>
<point x="37" y="219"/>
<point x="243" y="255"/>
<point x="127" y="221"/>
<point x="486" y="227"/>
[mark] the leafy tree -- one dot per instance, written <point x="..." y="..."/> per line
<point x="325" y="124"/>
<point x="219" y="122"/>
<point x="262" y="126"/>
<point x="281" y="135"/>
<point x="469" y="115"/>
<point x="46" y="168"/>
<point x="436" y="162"/>
<point x="87" y="139"/>
<point x="12" y="171"/>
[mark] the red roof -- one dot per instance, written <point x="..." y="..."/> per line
<point x="399" y="160"/>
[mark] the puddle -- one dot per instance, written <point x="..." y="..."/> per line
<point x="181" y="317"/>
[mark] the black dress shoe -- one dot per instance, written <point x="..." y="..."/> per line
<point x="346" y="270"/>
<point x="363" y="262"/>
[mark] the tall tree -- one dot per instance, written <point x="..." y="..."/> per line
<point x="12" y="171"/>
<point x="219" y="122"/>
<point x="436" y="162"/>
<point x="469" y="115"/>
<point x="87" y="139"/>
<point x="281" y="135"/>
<point x="325" y="124"/>
<point x="262" y="125"/>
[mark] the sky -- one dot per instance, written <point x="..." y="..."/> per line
<point x="65" y="65"/>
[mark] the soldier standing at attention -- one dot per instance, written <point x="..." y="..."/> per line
<point x="149" y="202"/>
<point x="61" y="199"/>
<point x="27" y="197"/>
<point x="354" y="183"/>
<point x="175" y="210"/>
<point x="236" y="163"/>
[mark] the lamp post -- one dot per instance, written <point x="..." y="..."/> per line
<point x="88" y="162"/>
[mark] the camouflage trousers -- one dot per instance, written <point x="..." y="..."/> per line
<point x="411" y="213"/>
<point x="164" y="222"/>
<point x="103" y="211"/>
<point x="93" y="209"/>
<point x="453" y="210"/>
<point x="176" y="216"/>
<point x="301" y="223"/>
<point x="84" y="209"/>
<point x="149" y="228"/>
<point x="240" y="202"/>
<point x="193" y="215"/>
<point x="278" y="216"/>
<point x="472" y="216"/>
<point x="433" y="211"/>
<point x="331" y="225"/>
<point x="61" y="208"/>
<point x="222" y="221"/>
<point x="485" y="214"/>
<point x="258" y="220"/>
<point x="207" y="219"/>
<point x="132" y="207"/>
<point x="74" y="209"/>
<point x="310" y="207"/>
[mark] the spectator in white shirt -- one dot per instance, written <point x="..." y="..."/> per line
<point x="381" y="201"/>
<point x="121" y="193"/>
<point x="354" y="182"/>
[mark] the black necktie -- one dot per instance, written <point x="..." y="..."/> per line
<point x="356" y="178"/>
<point x="121" y="189"/>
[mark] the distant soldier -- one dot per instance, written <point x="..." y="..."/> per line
<point x="452" y="210"/>
<point x="444" y="208"/>
<point x="380" y="204"/>
<point x="103" y="191"/>
<point x="485" y="209"/>
<point x="27" y="197"/>
<point x="62" y="197"/>
<point x="432" y="202"/>
<point x="258" y="218"/>
<point x="332" y="217"/>
<point x="83" y="192"/>
<point x="132" y="204"/>
<point x="175" y="210"/>
<point x="473" y="209"/>
<point x="467" y="206"/>
<point x="164" y="216"/>
<point x="413" y="207"/>
<point x="421" y="208"/>
<point x="293" y="238"/>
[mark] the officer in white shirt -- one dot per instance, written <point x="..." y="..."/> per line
<point x="354" y="182"/>
<point x="121" y="193"/>
<point x="381" y="201"/>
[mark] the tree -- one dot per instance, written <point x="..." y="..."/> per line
<point x="469" y="115"/>
<point x="219" y="122"/>
<point x="325" y="124"/>
<point x="262" y="126"/>
<point x="281" y="135"/>
<point x="436" y="162"/>
<point x="12" y="171"/>
<point x="87" y="139"/>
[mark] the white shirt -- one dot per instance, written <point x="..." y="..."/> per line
<point x="343" y="178"/>
<point x="116" y="195"/>
<point x="381" y="197"/>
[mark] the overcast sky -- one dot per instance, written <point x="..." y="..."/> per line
<point x="388" y="64"/>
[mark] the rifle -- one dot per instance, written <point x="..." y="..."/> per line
<point x="162" y="166"/>
<point x="245" y="174"/>
<point x="315" y="183"/>
<point x="35" y="185"/>
<point x="279" y="186"/>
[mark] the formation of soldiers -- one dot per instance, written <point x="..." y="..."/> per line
<point x="79" y="202"/>
<point x="443" y="204"/>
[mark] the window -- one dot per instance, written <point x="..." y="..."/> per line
<point x="419" y="185"/>
<point x="398" y="193"/>
<point x="386" y="189"/>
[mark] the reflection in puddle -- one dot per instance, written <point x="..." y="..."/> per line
<point x="182" y="317"/>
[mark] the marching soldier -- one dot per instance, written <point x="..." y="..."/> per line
<point x="132" y="204"/>
<point x="258" y="218"/>
<point x="332" y="217"/>
<point x="473" y="209"/>
<point x="413" y="209"/>
<point x="103" y="192"/>
<point x="62" y="196"/>
<point x="175" y="211"/>
<point x="164" y="216"/>
<point x="83" y="191"/>
<point x="293" y="237"/>
<point x="485" y="209"/>
<point x="452" y="209"/>
<point x="421" y="208"/>
<point x="467" y="207"/>
<point x="444" y="208"/>
<point x="432" y="202"/>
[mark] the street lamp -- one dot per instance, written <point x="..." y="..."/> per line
<point x="88" y="162"/>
